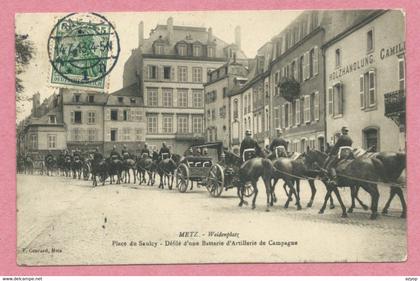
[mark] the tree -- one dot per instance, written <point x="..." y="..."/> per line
<point x="25" y="51"/>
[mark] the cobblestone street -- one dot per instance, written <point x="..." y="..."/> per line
<point x="66" y="221"/>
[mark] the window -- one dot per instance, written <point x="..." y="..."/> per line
<point x="114" y="134"/>
<point x="306" y="109"/>
<point x="52" y="141"/>
<point x="197" y="124"/>
<point x="91" y="117"/>
<point x="371" y="139"/>
<point x="369" y="39"/>
<point x="182" y="124"/>
<point x="337" y="57"/>
<point x="182" y="97"/>
<point x="76" y="97"/>
<point x="197" y="74"/>
<point x="126" y="133"/>
<point x="91" y="98"/>
<point x="139" y="134"/>
<point x="297" y="113"/>
<point x="210" y="52"/>
<point x="182" y="74"/>
<point x="34" y="141"/>
<point x="126" y="115"/>
<point x="330" y="101"/>
<point x="152" y="122"/>
<point x="167" y="72"/>
<point x="338" y="99"/>
<point x="92" y="134"/>
<point x="76" y="117"/>
<point x="152" y="72"/>
<point x="52" y="119"/>
<point x="114" y="114"/>
<point x="235" y="108"/>
<point x="182" y="50"/>
<point x="367" y="90"/>
<point x="159" y="49"/>
<point x="167" y="124"/>
<point x="152" y="97"/>
<point x="197" y="98"/>
<point x="167" y="97"/>
<point x="197" y="51"/>
<point x="401" y="73"/>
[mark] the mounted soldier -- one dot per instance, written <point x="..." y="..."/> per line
<point x="114" y="153"/>
<point x="337" y="153"/>
<point x="145" y="152"/>
<point x="249" y="147"/>
<point x="279" y="145"/>
<point x="164" y="152"/>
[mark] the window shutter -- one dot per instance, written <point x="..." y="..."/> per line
<point x="362" y="92"/>
<point x="283" y="116"/>
<point x="306" y="66"/>
<point x="290" y="114"/>
<point x="297" y="114"/>
<point x="316" y="57"/>
<point x="330" y="101"/>
<point x="316" y="106"/>
<point x="372" y="88"/>
<point x="72" y="117"/>
<point x="295" y="74"/>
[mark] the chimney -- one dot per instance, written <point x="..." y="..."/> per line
<point x="210" y="34"/>
<point x="170" y="26"/>
<point x="238" y="36"/>
<point x="141" y="33"/>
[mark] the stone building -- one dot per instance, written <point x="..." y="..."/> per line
<point x="171" y="67"/>
<point x="365" y="80"/>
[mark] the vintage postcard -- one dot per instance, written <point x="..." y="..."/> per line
<point x="211" y="137"/>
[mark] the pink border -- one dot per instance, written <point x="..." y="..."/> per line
<point x="7" y="135"/>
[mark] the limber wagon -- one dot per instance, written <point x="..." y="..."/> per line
<point x="209" y="169"/>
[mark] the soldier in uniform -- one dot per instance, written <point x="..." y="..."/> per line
<point x="114" y="153"/>
<point x="278" y="141"/>
<point x="343" y="140"/>
<point x="164" y="149"/>
<point x="145" y="150"/>
<point x="247" y="143"/>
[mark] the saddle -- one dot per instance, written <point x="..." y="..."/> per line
<point x="249" y="153"/>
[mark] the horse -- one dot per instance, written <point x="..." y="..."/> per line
<point x="147" y="164"/>
<point x="166" y="169"/>
<point x="50" y="163"/>
<point x="99" y="169"/>
<point x="129" y="164"/>
<point x="251" y="171"/>
<point x="115" y="168"/>
<point x="294" y="165"/>
<point x="76" y="166"/>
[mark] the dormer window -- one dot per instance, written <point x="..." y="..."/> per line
<point x="120" y="99"/>
<point x="197" y="51"/>
<point x="182" y="49"/>
<point x="52" y="119"/>
<point x="211" y="52"/>
<point x="76" y="97"/>
<point x="159" y="49"/>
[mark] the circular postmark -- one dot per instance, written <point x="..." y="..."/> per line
<point x="83" y="48"/>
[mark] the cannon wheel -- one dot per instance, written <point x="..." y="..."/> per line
<point x="215" y="180"/>
<point x="182" y="177"/>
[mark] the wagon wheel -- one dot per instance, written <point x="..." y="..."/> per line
<point x="182" y="177"/>
<point x="248" y="190"/>
<point x="215" y="180"/>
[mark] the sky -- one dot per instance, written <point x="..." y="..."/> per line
<point x="257" y="27"/>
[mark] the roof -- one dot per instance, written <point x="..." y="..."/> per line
<point x="130" y="91"/>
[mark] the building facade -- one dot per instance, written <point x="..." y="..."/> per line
<point x="171" y="67"/>
<point x="218" y="112"/>
<point x="364" y="66"/>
